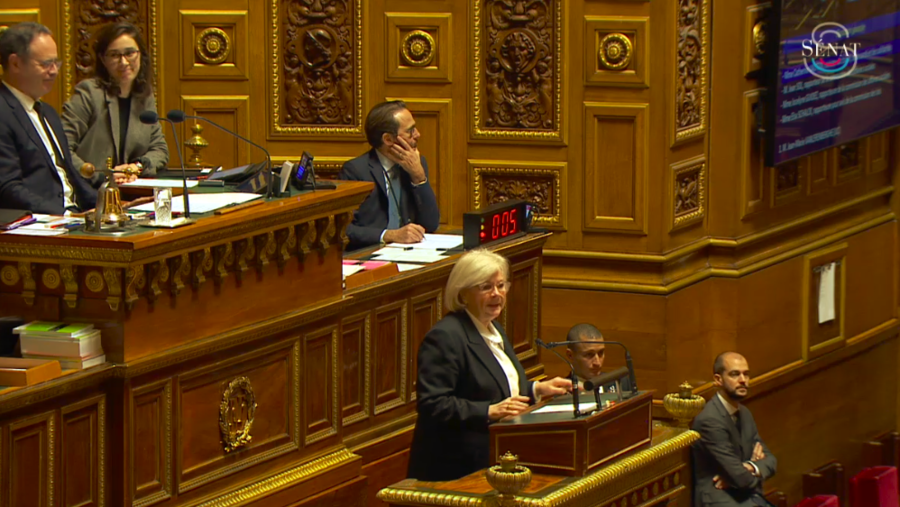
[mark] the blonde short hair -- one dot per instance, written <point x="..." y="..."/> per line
<point x="473" y="268"/>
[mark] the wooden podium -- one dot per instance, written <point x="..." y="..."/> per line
<point x="560" y="444"/>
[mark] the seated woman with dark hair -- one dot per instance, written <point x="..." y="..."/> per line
<point x="102" y="117"/>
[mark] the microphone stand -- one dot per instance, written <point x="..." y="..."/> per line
<point x="573" y="376"/>
<point x="184" y="191"/>
<point x="628" y="362"/>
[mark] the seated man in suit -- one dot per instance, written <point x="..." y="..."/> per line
<point x="730" y="459"/>
<point x="587" y="358"/>
<point x="36" y="170"/>
<point x="402" y="207"/>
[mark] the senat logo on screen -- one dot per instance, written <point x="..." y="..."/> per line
<point x="828" y="54"/>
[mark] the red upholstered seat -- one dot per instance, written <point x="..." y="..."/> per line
<point x="874" y="487"/>
<point x="820" y="501"/>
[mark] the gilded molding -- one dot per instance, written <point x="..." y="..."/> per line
<point x="689" y="192"/>
<point x="295" y="385"/>
<point x="51" y="457"/>
<point x="114" y="283"/>
<point x="615" y="51"/>
<point x="212" y="46"/>
<point x="50" y="278"/>
<point x="417" y="49"/>
<point x="133" y="277"/>
<point x="691" y="69"/>
<point x="10" y="275"/>
<point x="28" y="284"/>
<point x="279" y="55"/>
<point x="11" y="251"/>
<point x="547" y="201"/>
<point x="94" y="281"/>
<point x="101" y="457"/>
<point x="69" y="275"/>
<point x="513" y="37"/>
<point x="281" y="480"/>
<point x="237" y="412"/>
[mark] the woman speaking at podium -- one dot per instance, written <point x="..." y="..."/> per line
<point x="101" y="119"/>
<point x="469" y="375"/>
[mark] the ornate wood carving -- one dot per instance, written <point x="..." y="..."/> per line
<point x="243" y="252"/>
<point x="114" y="284"/>
<point x="157" y="273"/>
<point x="180" y="267"/>
<point x="236" y="414"/>
<point x="341" y="222"/>
<point x="286" y="242"/>
<point x="220" y="260"/>
<point x="540" y="186"/>
<point x="689" y="192"/>
<point x="788" y="178"/>
<point x="265" y="246"/>
<point x="325" y="230"/>
<point x="134" y="276"/>
<point x="307" y="234"/>
<point x="28" y="283"/>
<point x="84" y="18"/>
<point x="691" y="54"/>
<point x="849" y="159"/>
<point x="317" y="66"/>
<point x="212" y="46"/>
<point x="201" y="261"/>
<point x="517" y="85"/>
<point x="69" y="274"/>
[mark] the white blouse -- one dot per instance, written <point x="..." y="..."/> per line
<point x="495" y="342"/>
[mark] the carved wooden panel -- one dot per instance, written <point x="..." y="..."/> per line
<point x="9" y="17"/>
<point x="616" y="165"/>
<point x="215" y="407"/>
<point x="753" y="168"/>
<point x="755" y="29"/>
<point x="317" y="67"/>
<point x="817" y="168"/>
<point x="522" y="313"/>
<point x="434" y="119"/>
<point x="427" y="310"/>
<point x="390" y="366"/>
<point x="517" y="69"/>
<point x="540" y="183"/>
<point x="150" y="443"/>
<point x="418" y="47"/>
<point x="787" y="183"/>
<point x="877" y="146"/>
<point x="84" y="18"/>
<point x="83" y="453"/>
<point x="320" y="384"/>
<point x="31" y="461"/>
<point x="691" y="66"/>
<point x="849" y="158"/>
<point x="214" y="45"/>
<point x="356" y="367"/>
<point x="615" y="52"/>
<point x="822" y="338"/>
<point x="231" y="112"/>
<point x="688" y="192"/>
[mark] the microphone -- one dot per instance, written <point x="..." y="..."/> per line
<point x="574" y="376"/>
<point x="605" y="378"/>
<point x="628" y="362"/>
<point x="178" y="116"/>
<point x="149" y="118"/>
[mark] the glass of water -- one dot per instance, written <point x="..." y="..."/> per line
<point x="162" y="205"/>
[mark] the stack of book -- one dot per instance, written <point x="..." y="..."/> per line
<point x="75" y="346"/>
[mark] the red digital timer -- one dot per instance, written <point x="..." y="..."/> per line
<point x="494" y="223"/>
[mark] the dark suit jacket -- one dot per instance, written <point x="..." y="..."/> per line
<point x="721" y="451"/>
<point x="418" y="204"/>
<point x="28" y="177"/>
<point x="458" y="379"/>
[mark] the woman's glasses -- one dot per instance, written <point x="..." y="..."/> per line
<point x="129" y="54"/>
<point x="488" y="287"/>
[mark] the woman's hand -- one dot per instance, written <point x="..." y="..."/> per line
<point x="553" y="387"/>
<point x="514" y="405"/>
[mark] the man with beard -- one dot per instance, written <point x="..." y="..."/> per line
<point x="402" y="207"/>
<point x="730" y="459"/>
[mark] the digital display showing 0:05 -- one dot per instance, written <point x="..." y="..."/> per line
<point x="500" y="225"/>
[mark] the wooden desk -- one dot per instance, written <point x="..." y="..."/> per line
<point x="659" y="475"/>
<point x="327" y="378"/>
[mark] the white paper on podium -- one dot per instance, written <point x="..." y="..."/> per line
<point x="556" y="409"/>
<point x="204" y="203"/>
<point x="826" y="292"/>
<point x="162" y="183"/>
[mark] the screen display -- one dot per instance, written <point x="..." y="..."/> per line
<point x="834" y="76"/>
<point x="500" y="225"/>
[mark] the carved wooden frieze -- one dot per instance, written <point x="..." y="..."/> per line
<point x="317" y="67"/>
<point x="691" y="57"/>
<point x="518" y="69"/>
<point x="540" y="186"/>
<point x="84" y="18"/>
<point x="689" y="192"/>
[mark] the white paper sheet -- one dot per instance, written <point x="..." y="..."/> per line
<point x="826" y="292"/>
<point x="409" y="256"/>
<point x="162" y="183"/>
<point x="350" y="270"/>
<point x="42" y="231"/>
<point x="408" y="267"/>
<point x="556" y="409"/>
<point x="204" y="203"/>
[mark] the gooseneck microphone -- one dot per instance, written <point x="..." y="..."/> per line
<point x="149" y="118"/>
<point x="628" y="362"/>
<point x="573" y="376"/>
<point x="178" y="116"/>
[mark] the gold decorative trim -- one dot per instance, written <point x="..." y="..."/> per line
<point x="11" y="251"/>
<point x="615" y="51"/>
<point x="367" y="339"/>
<point x="51" y="457"/>
<point x="94" y="281"/>
<point x="69" y="275"/>
<point x="683" y="189"/>
<point x="235" y="429"/>
<point x="759" y="37"/>
<point x="10" y="275"/>
<point x="552" y="171"/>
<point x="418" y="48"/>
<point x="683" y="33"/>
<point x="236" y="467"/>
<point x="114" y="283"/>
<point x="478" y="85"/>
<point x="295" y="385"/>
<point x="282" y="480"/>
<point x="212" y="46"/>
<point x="101" y="457"/>
<point x="28" y="284"/>
<point x="277" y="55"/>
<point x="335" y="380"/>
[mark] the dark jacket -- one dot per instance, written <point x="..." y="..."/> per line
<point x="28" y="177"/>
<point x="417" y="205"/>
<point x="722" y="450"/>
<point x="458" y="379"/>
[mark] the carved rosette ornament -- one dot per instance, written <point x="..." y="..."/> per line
<point x="318" y="83"/>
<point x="418" y="49"/>
<point x="213" y="46"/>
<point x="517" y="68"/>
<point x="10" y="275"/>
<point x="615" y="51"/>
<point x="236" y="412"/>
<point x="691" y="62"/>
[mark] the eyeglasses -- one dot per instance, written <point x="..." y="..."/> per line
<point x="488" y="287"/>
<point x="49" y="64"/>
<point x="130" y="54"/>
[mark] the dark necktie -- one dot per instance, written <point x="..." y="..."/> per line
<point x="60" y="160"/>
<point x="394" y="197"/>
<point x="737" y="421"/>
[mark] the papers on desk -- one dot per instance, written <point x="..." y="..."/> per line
<point x="408" y="267"/>
<point x="41" y="231"/>
<point x="439" y="242"/>
<point x="350" y="270"/>
<point x="204" y="203"/>
<point x="566" y="408"/>
<point x="408" y="255"/>
<point x="159" y="183"/>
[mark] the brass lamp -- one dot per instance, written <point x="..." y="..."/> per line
<point x="684" y="405"/>
<point x="508" y="478"/>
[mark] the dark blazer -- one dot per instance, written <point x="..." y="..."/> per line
<point x="418" y="204"/>
<point x="28" y="177"/>
<point x="721" y="451"/>
<point x="91" y="120"/>
<point x="458" y="379"/>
